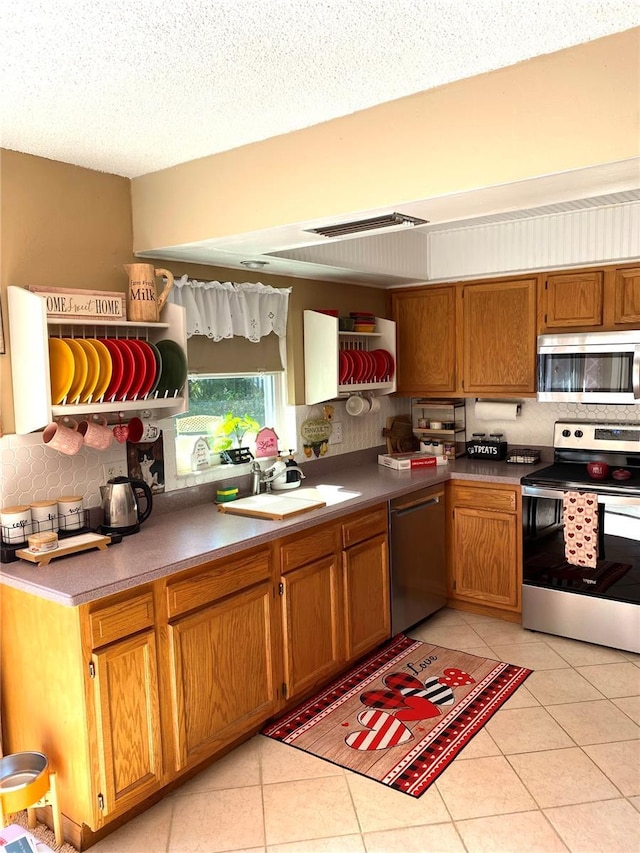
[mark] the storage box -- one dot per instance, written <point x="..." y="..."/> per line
<point x="483" y="449"/>
<point x="407" y="461"/>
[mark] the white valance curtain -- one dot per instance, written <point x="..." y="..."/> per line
<point x="222" y="309"/>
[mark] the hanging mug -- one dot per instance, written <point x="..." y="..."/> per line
<point x="145" y="304"/>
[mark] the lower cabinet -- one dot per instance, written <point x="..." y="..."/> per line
<point x="130" y="692"/>
<point x="485" y="545"/>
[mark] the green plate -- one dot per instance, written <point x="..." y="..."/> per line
<point x="174" y="368"/>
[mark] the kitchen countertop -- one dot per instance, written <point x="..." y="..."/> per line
<point x="170" y="542"/>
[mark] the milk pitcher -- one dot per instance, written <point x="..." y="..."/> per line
<point x="144" y="304"/>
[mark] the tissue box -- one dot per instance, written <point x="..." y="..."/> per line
<point x="407" y="461"/>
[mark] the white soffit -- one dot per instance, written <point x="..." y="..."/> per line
<point x="133" y="87"/>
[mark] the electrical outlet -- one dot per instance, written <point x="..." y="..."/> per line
<point x="114" y="469"/>
<point x="336" y="433"/>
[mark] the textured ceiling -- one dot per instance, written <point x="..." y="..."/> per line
<point x="133" y="86"/>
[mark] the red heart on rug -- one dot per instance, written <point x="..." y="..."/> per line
<point x="418" y="708"/>
<point x="438" y="693"/>
<point x="382" y="731"/>
<point x="456" y="678"/>
<point x="346" y="724"/>
<point x="390" y="700"/>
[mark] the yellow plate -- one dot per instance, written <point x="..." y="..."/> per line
<point x="106" y="367"/>
<point x="61" y="369"/>
<point x="81" y="369"/>
<point x="93" y="373"/>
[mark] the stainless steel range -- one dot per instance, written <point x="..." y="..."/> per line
<point x="598" y="601"/>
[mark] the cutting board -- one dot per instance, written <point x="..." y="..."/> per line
<point x="272" y="507"/>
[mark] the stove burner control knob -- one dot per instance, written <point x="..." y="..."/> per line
<point x="566" y="433"/>
<point x="578" y="433"/>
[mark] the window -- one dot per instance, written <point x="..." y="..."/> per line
<point x="256" y="397"/>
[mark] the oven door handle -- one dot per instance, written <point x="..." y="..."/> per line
<point x="635" y="373"/>
<point x="603" y="498"/>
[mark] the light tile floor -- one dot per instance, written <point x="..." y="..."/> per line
<point x="556" y="769"/>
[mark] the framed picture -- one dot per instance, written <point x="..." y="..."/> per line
<point x="145" y="461"/>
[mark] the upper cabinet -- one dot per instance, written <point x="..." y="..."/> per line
<point x="467" y="339"/>
<point x="573" y="299"/>
<point x="426" y="322"/>
<point x="603" y="299"/>
<point x="334" y="366"/>
<point x="499" y="338"/>
<point x="31" y="330"/>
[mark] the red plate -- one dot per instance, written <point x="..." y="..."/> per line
<point x="150" y="368"/>
<point x="117" y="363"/>
<point x="348" y="356"/>
<point x="381" y="365"/>
<point x="371" y="367"/>
<point x="129" y="368"/>
<point x="354" y="355"/>
<point x="343" y="367"/>
<point x="139" y="370"/>
<point x="391" y="365"/>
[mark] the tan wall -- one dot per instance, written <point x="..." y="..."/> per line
<point x="64" y="226"/>
<point x="568" y="110"/>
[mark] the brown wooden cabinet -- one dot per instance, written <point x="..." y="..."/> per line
<point x="128" y="745"/>
<point x="485" y="545"/>
<point x="499" y="338"/>
<point x="426" y="346"/>
<point x="220" y="652"/>
<point x="467" y="339"/>
<point x="573" y="299"/>
<point x="130" y="692"/>
<point x="590" y="300"/>
<point x="626" y="297"/>
<point x="365" y="577"/>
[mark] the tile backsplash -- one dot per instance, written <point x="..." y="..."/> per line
<point x="30" y="471"/>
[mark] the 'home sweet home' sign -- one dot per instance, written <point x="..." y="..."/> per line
<point x="76" y="304"/>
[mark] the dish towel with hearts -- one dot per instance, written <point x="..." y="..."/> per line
<point x="580" y="518"/>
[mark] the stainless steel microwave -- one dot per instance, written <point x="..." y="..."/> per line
<point x="597" y="367"/>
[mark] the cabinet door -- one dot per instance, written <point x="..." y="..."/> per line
<point x="311" y="617"/>
<point x="573" y="299"/>
<point x="222" y="673"/>
<point x="128" y="716"/>
<point x="485" y="558"/>
<point x="426" y="353"/>
<point x="500" y="338"/>
<point x="627" y="297"/>
<point x="365" y="574"/>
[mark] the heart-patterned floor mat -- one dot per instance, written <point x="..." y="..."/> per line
<point x="402" y="715"/>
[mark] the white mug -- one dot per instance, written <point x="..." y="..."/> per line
<point x="44" y="515"/>
<point x="70" y="512"/>
<point x="15" y="524"/>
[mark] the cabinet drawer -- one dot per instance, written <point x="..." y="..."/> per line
<point x="364" y="526"/>
<point x="469" y="496"/>
<point x="307" y="547"/>
<point x="215" y="580"/>
<point x="121" y="619"/>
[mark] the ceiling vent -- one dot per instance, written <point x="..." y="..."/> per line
<point x="389" y="220"/>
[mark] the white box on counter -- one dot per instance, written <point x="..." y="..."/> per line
<point x="406" y="461"/>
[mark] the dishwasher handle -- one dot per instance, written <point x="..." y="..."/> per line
<point x="417" y="503"/>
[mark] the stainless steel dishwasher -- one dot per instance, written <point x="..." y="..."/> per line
<point x="418" y="564"/>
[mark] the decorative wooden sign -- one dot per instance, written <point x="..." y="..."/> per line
<point x="83" y="304"/>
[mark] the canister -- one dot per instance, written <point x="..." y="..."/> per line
<point x="45" y="541"/>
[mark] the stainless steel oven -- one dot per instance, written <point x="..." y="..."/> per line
<point x="599" y="603"/>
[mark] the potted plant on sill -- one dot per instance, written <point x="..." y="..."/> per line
<point x="234" y="428"/>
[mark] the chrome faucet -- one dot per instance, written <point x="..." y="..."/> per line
<point x="258" y="476"/>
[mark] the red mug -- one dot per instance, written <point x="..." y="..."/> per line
<point x="597" y="470"/>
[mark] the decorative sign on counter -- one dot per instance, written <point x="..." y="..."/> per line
<point x="83" y="304"/>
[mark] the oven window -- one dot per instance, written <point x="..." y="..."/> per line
<point x="617" y="572"/>
<point x="590" y="372"/>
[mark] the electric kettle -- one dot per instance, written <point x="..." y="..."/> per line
<point x="122" y="513"/>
